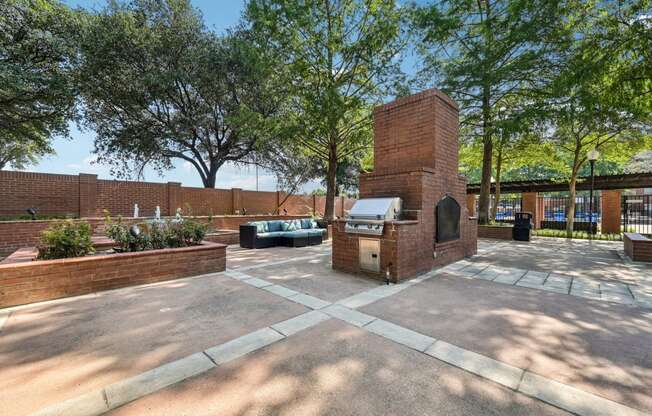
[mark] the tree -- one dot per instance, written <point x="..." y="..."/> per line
<point x="483" y="53"/>
<point x="37" y="93"/>
<point x="158" y="87"/>
<point x="640" y="163"/>
<point x="291" y="164"/>
<point x="340" y="56"/>
<point x="593" y="103"/>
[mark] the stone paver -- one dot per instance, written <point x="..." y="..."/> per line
<point x="243" y="345"/>
<point x="400" y="334"/>
<point x="309" y="301"/>
<point x="315" y="277"/>
<point x="350" y="316"/>
<point x="134" y="388"/>
<point x="486" y="367"/>
<point x="256" y="282"/>
<point x="571" y="399"/>
<point x="299" y="323"/>
<point x="280" y="291"/>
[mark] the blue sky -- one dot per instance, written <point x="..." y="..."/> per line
<point x="74" y="155"/>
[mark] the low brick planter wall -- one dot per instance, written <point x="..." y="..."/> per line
<point x="18" y="234"/>
<point x="495" y="231"/>
<point x="227" y="237"/>
<point x="637" y="247"/>
<point x="33" y="281"/>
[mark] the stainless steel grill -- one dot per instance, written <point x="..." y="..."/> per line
<point x="368" y="215"/>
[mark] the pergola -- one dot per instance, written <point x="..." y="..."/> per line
<point x="605" y="182"/>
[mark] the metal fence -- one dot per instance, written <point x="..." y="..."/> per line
<point x="555" y="213"/>
<point x="506" y="208"/>
<point x="637" y="213"/>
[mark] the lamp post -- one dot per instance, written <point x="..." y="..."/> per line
<point x="592" y="155"/>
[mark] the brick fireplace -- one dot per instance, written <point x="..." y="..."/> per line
<point x="416" y="159"/>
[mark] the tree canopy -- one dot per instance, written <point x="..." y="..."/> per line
<point x="159" y="86"/>
<point x="37" y="88"/>
<point x="340" y="57"/>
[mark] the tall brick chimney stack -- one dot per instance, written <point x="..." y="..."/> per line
<point x="416" y="158"/>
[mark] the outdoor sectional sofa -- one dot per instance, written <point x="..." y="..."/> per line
<point x="290" y="233"/>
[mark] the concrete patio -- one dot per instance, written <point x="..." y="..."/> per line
<point x="546" y="328"/>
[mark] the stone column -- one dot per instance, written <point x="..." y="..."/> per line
<point x="470" y="204"/>
<point x="87" y="195"/>
<point x="611" y="211"/>
<point x="174" y="198"/>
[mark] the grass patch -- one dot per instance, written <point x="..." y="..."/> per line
<point x="580" y="235"/>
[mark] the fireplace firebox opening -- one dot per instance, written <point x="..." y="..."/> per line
<point x="447" y="213"/>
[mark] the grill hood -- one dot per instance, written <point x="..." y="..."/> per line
<point x="376" y="209"/>
<point x="367" y="216"/>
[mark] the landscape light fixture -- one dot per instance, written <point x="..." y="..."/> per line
<point x="32" y="212"/>
<point x="592" y="155"/>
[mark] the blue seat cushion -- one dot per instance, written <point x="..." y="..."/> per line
<point x="261" y="226"/>
<point x="306" y="223"/>
<point x="276" y="225"/>
<point x="270" y="234"/>
<point x="302" y="233"/>
<point x="291" y="225"/>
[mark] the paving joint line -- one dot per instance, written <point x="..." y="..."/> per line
<point x="210" y="358"/>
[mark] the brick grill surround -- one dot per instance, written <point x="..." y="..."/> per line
<point x="416" y="159"/>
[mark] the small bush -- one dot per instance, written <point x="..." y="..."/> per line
<point x="582" y="235"/>
<point x="155" y="235"/>
<point x="66" y="239"/>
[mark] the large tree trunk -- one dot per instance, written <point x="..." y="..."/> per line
<point x="570" y="219"/>
<point x="331" y="184"/>
<point x="487" y="155"/>
<point x="570" y="207"/>
<point x="499" y="163"/>
<point x="485" y="185"/>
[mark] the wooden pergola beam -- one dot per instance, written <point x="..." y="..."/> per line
<point x="604" y="182"/>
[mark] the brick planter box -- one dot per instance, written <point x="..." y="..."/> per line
<point x="227" y="237"/>
<point x="637" y="247"/>
<point x="495" y="231"/>
<point x="18" y="234"/>
<point x="32" y="281"/>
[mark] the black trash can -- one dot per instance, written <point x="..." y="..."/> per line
<point x="522" y="226"/>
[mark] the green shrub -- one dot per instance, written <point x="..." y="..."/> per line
<point x="582" y="235"/>
<point x="193" y="232"/>
<point x="156" y="235"/>
<point x="66" y="239"/>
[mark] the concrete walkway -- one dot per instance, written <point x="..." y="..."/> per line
<point x="324" y="343"/>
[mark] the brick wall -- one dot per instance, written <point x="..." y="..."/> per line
<point x="50" y="194"/>
<point x="85" y="195"/>
<point x="495" y="231"/>
<point x="28" y="282"/>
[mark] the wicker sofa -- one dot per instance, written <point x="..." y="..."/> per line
<point x="290" y="233"/>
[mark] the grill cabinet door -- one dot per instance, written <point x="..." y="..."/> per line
<point x="369" y="254"/>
